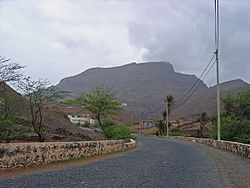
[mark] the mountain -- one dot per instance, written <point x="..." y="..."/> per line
<point x="205" y="101"/>
<point x="142" y="86"/>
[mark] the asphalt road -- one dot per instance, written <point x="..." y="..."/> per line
<point x="156" y="163"/>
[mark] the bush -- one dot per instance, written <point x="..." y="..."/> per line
<point x="12" y="127"/>
<point x="175" y="132"/>
<point x="108" y="123"/>
<point x="232" y="130"/>
<point x="237" y="105"/>
<point x="235" y="123"/>
<point x="156" y="133"/>
<point x="118" y="132"/>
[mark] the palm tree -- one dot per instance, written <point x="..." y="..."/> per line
<point x="161" y="127"/>
<point x="164" y="115"/>
<point x="169" y="100"/>
<point x="203" y="119"/>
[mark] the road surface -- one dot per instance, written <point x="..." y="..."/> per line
<point x="156" y="163"/>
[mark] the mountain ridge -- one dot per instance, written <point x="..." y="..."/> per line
<point x="206" y="100"/>
<point x="141" y="85"/>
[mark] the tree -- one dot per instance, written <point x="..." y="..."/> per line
<point x="169" y="100"/>
<point x="9" y="72"/>
<point x="235" y="123"/>
<point x="10" y="124"/>
<point x="39" y="94"/>
<point x="164" y="115"/>
<point x="102" y="102"/>
<point x="237" y="105"/>
<point x="232" y="129"/>
<point x="203" y="119"/>
<point x="161" y="126"/>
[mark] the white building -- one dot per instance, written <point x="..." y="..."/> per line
<point x="82" y="119"/>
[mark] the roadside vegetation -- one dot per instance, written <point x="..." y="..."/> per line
<point x="11" y="126"/>
<point x="36" y="94"/>
<point x="113" y="130"/>
<point x="175" y="132"/>
<point x="164" y="124"/>
<point x="235" y="123"/>
<point x="103" y="103"/>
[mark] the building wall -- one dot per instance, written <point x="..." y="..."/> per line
<point x="147" y="123"/>
<point x="14" y="155"/>
<point x="81" y="120"/>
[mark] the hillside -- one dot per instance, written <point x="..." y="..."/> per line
<point x="206" y="100"/>
<point x="59" y="126"/>
<point x="141" y="86"/>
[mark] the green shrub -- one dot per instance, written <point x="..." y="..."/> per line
<point x="108" y="123"/>
<point x="156" y="133"/>
<point x="175" y="132"/>
<point x="118" y="132"/>
<point x="237" y="105"/>
<point x="235" y="123"/>
<point x="232" y="130"/>
<point x="12" y="127"/>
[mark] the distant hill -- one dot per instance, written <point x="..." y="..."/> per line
<point x="206" y="100"/>
<point x="142" y="86"/>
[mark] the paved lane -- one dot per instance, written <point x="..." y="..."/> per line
<point x="157" y="163"/>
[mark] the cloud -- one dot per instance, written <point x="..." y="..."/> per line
<point x="55" y="39"/>
<point x="59" y="38"/>
<point x="182" y="33"/>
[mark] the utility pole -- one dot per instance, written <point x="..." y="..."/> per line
<point x="218" y="95"/>
<point x="132" y="118"/>
<point x="217" y="63"/>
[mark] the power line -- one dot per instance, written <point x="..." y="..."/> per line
<point x="196" y="87"/>
<point x="209" y="69"/>
<point x="198" y="80"/>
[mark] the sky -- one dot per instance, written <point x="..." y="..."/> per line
<point x="55" y="39"/>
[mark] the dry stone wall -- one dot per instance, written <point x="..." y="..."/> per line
<point x="28" y="154"/>
<point x="235" y="147"/>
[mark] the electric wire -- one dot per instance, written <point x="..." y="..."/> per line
<point x="196" y="87"/>
<point x="216" y="26"/>
<point x="198" y="80"/>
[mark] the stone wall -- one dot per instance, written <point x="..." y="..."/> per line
<point x="235" y="147"/>
<point x="28" y="154"/>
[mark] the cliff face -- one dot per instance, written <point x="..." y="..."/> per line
<point x="142" y="86"/>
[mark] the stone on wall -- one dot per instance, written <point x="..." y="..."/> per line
<point x="29" y="154"/>
<point x="235" y="147"/>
